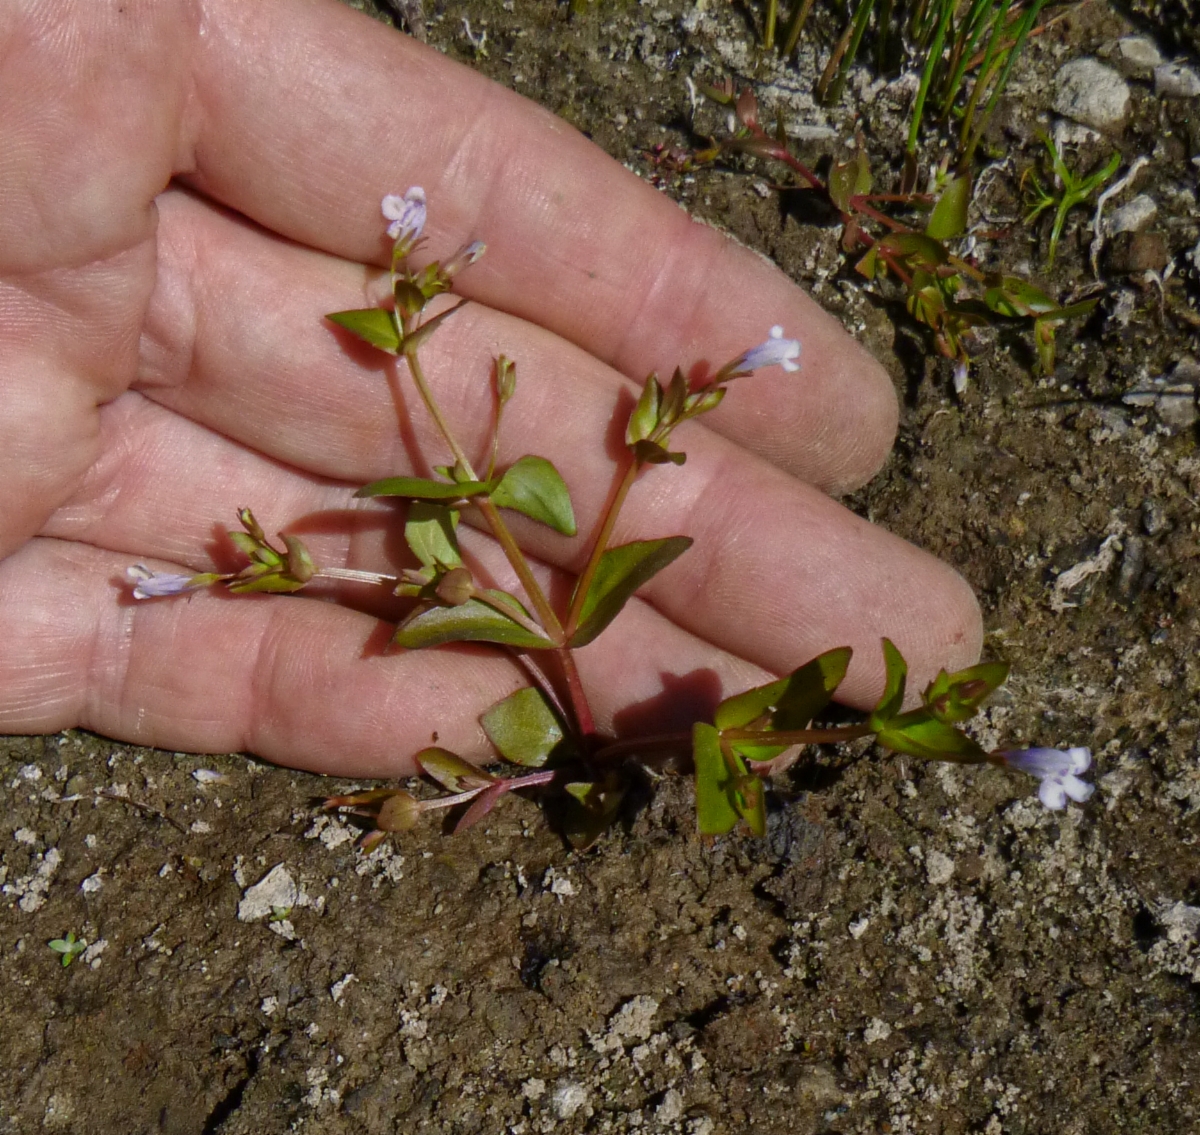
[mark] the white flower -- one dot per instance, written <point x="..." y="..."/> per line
<point x="1058" y="770"/>
<point x="775" y="351"/>
<point x="406" y="213"/>
<point x="149" y="584"/>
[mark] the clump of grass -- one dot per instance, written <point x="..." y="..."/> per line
<point x="964" y="49"/>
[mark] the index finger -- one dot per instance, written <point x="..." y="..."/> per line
<point x="304" y="115"/>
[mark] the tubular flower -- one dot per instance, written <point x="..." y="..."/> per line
<point x="406" y="213"/>
<point x="1057" y="769"/>
<point x="775" y="351"/>
<point x="149" y="584"/>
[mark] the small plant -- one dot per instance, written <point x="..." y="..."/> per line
<point x="945" y="292"/>
<point x="545" y="731"/>
<point x="69" y="947"/>
<point x="1069" y="190"/>
<point x="965" y="51"/>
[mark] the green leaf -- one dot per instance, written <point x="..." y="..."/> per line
<point x="715" y="813"/>
<point x="533" y="486"/>
<point x="419" y="488"/>
<point x="644" y="418"/>
<point x="276" y="582"/>
<point x="651" y="453"/>
<point x="429" y="531"/>
<point x="791" y="702"/>
<point x="620" y="573"/>
<point x="920" y="734"/>
<point x="850" y="179"/>
<point x="749" y="798"/>
<point x="474" y="621"/>
<point x="918" y="247"/>
<point x="373" y="325"/>
<point x="525" y="728"/>
<point x="589" y="810"/>
<point x="893" y="690"/>
<point x="450" y="770"/>
<point x="957" y="696"/>
<point x="949" y="216"/>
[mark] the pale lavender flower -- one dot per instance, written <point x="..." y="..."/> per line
<point x="406" y="213"/>
<point x="775" y="351"/>
<point x="1057" y="769"/>
<point x="463" y="258"/>
<point x="149" y="584"/>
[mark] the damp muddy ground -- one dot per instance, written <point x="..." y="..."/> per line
<point x="911" y="949"/>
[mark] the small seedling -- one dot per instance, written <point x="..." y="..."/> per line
<point x="546" y="732"/>
<point x="945" y="292"/>
<point x="69" y="947"/>
<point x="1069" y="190"/>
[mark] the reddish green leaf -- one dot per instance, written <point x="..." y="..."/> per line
<point x="473" y="621"/>
<point x="533" y="486"/>
<point x="525" y="728"/>
<point x="621" y="572"/>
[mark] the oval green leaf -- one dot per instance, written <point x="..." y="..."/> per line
<point x="715" y="813"/>
<point x="525" y="728"/>
<point x="920" y="734"/>
<point x="429" y="532"/>
<point x="620" y="573"/>
<point x="474" y="621"/>
<point x="533" y="486"/>
<point x="949" y="216"/>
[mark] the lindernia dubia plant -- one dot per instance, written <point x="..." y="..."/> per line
<point x="545" y="732"/>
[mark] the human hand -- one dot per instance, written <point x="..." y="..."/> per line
<point x="187" y="189"/>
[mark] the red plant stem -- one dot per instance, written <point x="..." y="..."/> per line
<point x="578" y="695"/>
<point x="511" y="784"/>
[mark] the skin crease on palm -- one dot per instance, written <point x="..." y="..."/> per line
<point x="186" y="188"/>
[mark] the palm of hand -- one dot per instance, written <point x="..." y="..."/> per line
<point x="165" y="362"/>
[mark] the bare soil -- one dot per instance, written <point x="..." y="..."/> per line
<point x="910" y="949"/>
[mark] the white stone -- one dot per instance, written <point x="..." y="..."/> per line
<point x="568" y="1098"/>
<point x="1175" y="81"/>
<point x="671" y="1108"/>
<point x="277" y="890"/>
<point x="1133" y="217"/>
<point x="24" y="835"/>
<point x="91" y="884"/>
<point x="876" y="1030"/>
<point x="1087" y="91"/>
<point x="1139" y="52"/>
<point x="209" y="776"/>
<point x="635" y="1019"/>
<point x="939" y="868"/>
<point x="533" y="1089"/>
<point x="338" y="989"/>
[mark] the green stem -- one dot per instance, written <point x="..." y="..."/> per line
<point x="520" y="565"/>
<point x="795" y="26"/>
<point x="414" y="368"/>
<point x="491" y="513"/>
<point x="769" y="24"/>
<point x="798" y="736"/>
<point x="600" y="545"/>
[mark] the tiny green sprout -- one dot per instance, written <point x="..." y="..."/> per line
<point x="1075" y="190"/>
<point x="69" y="947"/>
<point x="280" y="913"/>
